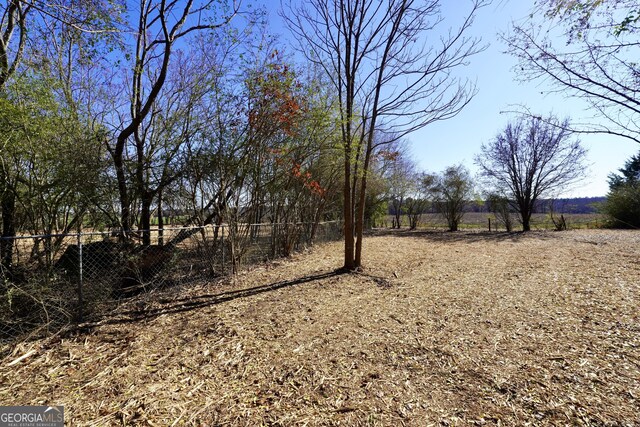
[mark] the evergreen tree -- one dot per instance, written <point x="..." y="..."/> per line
<point x="623" y="200"/>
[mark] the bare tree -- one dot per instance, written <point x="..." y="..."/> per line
<point x="160" y="26"/>
<point x="532" y="158"/>
<point x="501" y="208"/>
<point x="417" y="204"/>
<point x="596" y="60"/>
<point x="401" y="177"/>
<point x="388" y="75"/>
<point x="452" y="190"/>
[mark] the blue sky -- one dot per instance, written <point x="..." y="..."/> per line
<point x="458" y="140"/>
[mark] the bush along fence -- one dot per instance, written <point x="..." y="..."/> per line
<point x="55" y="280"/>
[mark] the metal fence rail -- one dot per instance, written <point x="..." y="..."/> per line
<point x="55" y="280"/>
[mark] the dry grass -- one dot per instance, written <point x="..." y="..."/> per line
<point x="443" y="329"/>
<point x="479" y="221"/>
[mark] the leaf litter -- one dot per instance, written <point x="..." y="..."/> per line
<point x="440" y="328"/>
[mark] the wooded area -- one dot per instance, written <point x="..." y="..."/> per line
<point x="119" y="112"/>
<point x="115" y="118"/>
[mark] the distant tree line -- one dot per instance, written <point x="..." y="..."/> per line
<point x="529" y="160"/>
<point x="575" y="205"/>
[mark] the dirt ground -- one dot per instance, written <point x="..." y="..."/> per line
<point x="441" y="328"/>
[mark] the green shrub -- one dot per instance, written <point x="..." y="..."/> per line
<point x="623" y="205"/>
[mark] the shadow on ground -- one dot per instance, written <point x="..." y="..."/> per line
<point x="193" y="302"/>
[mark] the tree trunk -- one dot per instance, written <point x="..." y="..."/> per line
<point x="526" y="219"/>
<point x="145" y="219"/>
<point x="161" y="221"/>
<point x="316" y="222"/>
<point x="349" y="261"/>
<point x="8" y="229"/>
<point x="360" y="218"/>
<point x="362" y="198"/>
<point x="396" y="213"/>
<point x="123" y="191"/>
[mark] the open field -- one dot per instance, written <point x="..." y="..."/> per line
<point x="479" y="221"/>
<point x="459" y="328"/>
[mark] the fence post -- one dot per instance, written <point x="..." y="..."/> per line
<point x="80" y="279"/>
<point x="489" y="224"/>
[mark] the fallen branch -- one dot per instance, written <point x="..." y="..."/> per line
<point x="21" y="358"/>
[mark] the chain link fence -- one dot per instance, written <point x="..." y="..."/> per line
<point x="55" y="280"/>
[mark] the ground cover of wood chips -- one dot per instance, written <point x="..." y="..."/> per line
<point x="540" y="328"/>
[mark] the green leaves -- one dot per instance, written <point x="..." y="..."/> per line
<point x="584" y="16"/>
<point x="625" y="25"/>
<point x="51" y="160"/>
<point x="623" y="205"/>
<point x="623" y="200"/>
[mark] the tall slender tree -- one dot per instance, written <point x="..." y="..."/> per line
<point x="388" y="76"/>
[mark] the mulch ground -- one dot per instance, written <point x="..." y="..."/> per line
<point x="540" y="328"/>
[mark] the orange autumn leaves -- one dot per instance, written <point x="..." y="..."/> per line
<point x="277" y="115"/>
<point x="309" y="183"/>
<point x="299" y="173"/>
<point x="277" y="106"/>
